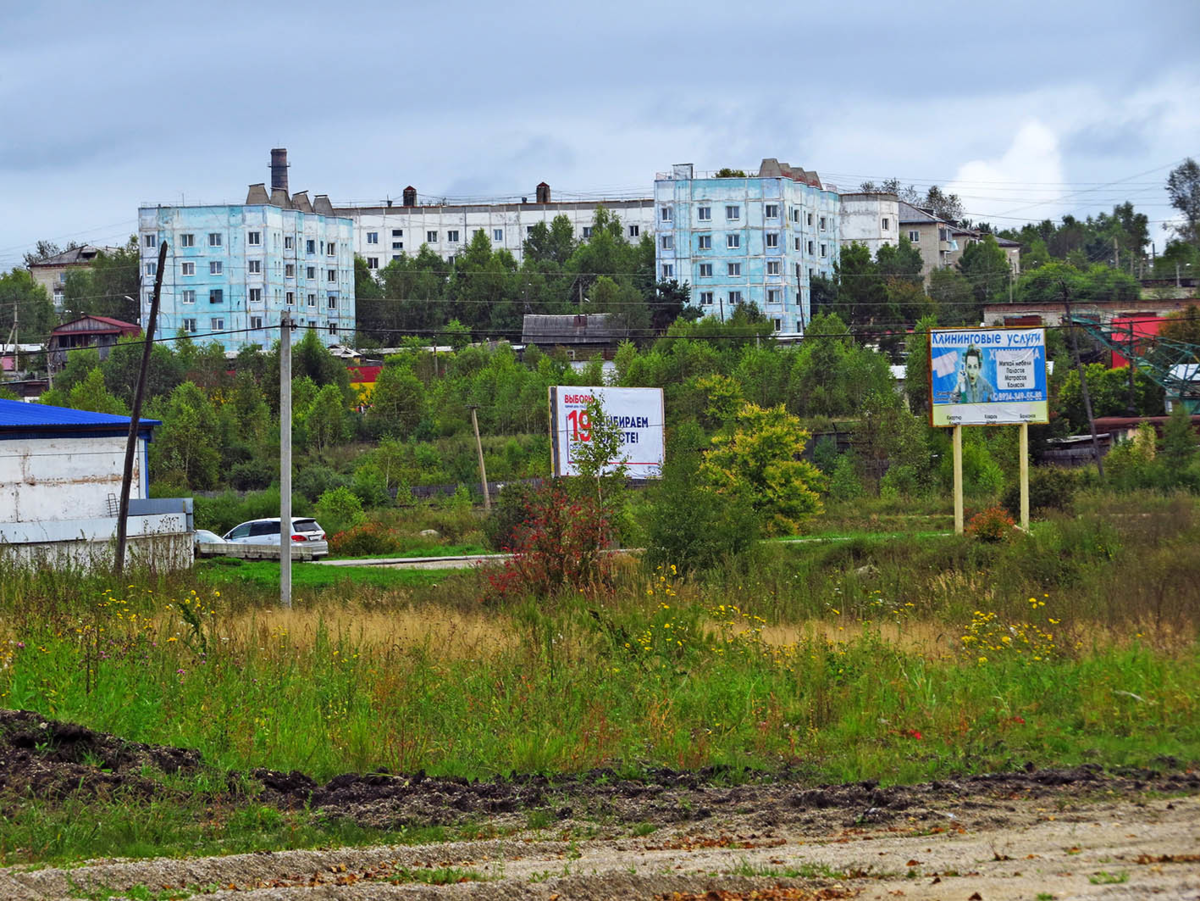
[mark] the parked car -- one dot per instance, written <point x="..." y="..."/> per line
<point x="266" y="531"/>
<point x="203" y="536"/>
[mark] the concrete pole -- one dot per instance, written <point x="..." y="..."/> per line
<point x="1024" y="451"/>
<point x="487" y="501"/>
<point x="958" y="481"/>
<point x="285" y="460"/>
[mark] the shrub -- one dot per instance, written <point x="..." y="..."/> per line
<point x="339" y="509"/>
<point x="249" y="476"/>
<point x="561" y="547"/>
<point x="512" y="508"/>
<point x="371" y="487"/>
<point x="368" y="539"/>
<point x="992" y="524"/>
<point x="313" y="481"/>
<point x="844" y="483"/>
<point x="1050" y="488"/>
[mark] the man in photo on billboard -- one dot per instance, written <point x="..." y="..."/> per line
<point x="973" y="388"/>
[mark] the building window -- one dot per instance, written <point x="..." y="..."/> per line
<point x="397" y="245"/>
<point x="254" y="238"/>
<point x="668" y="271"/>
<point x="886" y="224"/>
<point x="397" y="233"/>
<point x="796" y="243"/>
<point x="310" y="272"/>
<point x="216" y="295"/>
<point x="256" y="323"/>
<point x="811" y="273"/>
<point x="256" y="295"/>
<point x="312" y="300"/>
<point x="498" y="235"/>
<point x="395" y="257"/>
<point x="772" y="239"/>
<point x="704" y="213"/>
<point x="914" y="236"/>
<point x="735" y="297"/>
<point x="187" y="268"/>
<point x="372" y="262"/>
<point x="705" y="242"/>
<point x="331" y="249"/>
<point x="310" y="246"/>
<point x="254" y="267"/>
<point x="216" y="267"/>
<point x="667" y="214"/>
<point x="706" y="298"/>
<point x="333" y="301"/>
<point x="795" y="214"/>
<point x="706" y="270"/>
<point x="810" y="248"/>
<point x="430" y="237"/>
<point x="822" y="223"/>
<point x="797" y="272"/>
<point x="778" y="325"/>
<point x="290" y="298"/>
<point x="452" y="236"/>
<point x="587" y="232"/>
<point x="668" y="242"/>
<point x="733" y="268"/>
<point x="733" y="241"/>
<point x="289" y="270"/>
<point x="189" y="325"/>
<point x="771" y="211"/>
<point x="217" y="325"/>
<point x="333" y="328"/>
<point x="149" y="240"/>
<point x="187" y="240"/>
<point x="372" y="237"/>
<point x="634" y="231"/>
<point x="809" y="220"/>
<point x="773" y="295"/>
<point x="733" y="212"/>
<point x="773" y="267"/>
<point x="331" y="275"/>
<point x="151" y="269"/>
<point x="822" y="250"/>
<point x="189" y="296"/>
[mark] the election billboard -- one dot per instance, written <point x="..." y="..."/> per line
<point x="638" y="412"/>
<point x="987" y="376"/>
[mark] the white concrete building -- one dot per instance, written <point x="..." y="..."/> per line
<point x="60" y="480"/>
<point x="383" y="233"/>
<point x="872" y="219"/>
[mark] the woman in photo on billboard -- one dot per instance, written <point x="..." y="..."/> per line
<point x="972" y="387"/>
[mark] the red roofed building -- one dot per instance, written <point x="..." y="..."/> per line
<point x="100" y="332"/>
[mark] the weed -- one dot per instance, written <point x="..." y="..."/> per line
<point x="1106" y="878"/>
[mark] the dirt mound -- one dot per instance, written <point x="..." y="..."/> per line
<point x="51" y="759"/>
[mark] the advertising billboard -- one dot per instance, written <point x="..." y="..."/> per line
<point x="637" y="411"/>
<point x="987" y="376"/>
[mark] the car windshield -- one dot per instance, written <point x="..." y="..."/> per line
<point x="305" y="525"/>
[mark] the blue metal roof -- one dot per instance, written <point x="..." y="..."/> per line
<point x="15" y="415"/>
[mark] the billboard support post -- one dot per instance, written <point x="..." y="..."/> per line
<point x="958" y="481"/>
<point x="1024" y="452"/>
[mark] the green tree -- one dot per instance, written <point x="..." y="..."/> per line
<point x="1179" y="439"/>
<point x="325" y="420"/>
<point x="862" y="294"/>
<point x="90" y="394"/>
<point x="124" y="365"/>
<point x="339" y="509"/>
<point x="21" y="296"/>
<point x="1109" y="391"/>
<point x="1183" y="188"/>
<point x="109" y="287"/>
<point x="554" y="244"/>
<point x="397" y="403"/>
<point x="916" y="366"/>
<point x="758" y="459"/>
<point x="899" y="261"/>
<point x="186" y="444"/>
<point x="986" y="268"/>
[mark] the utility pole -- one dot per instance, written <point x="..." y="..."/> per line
<point x="581" y="294"/>
<point x="131" y="440"/>
<point x="1083" y="388"/>
<point x="1131" y="409"/>
<point x="1116" y="253"/>
<point x="285" y="459"/>
<point x="487" y="501"/>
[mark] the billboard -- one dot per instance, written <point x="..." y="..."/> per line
<point x="987" y="376"/>
<point x="638" y="412"/>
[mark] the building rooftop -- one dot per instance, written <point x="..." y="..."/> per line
<point x="16" y="416"/>
<point x="571" y="328"/>
<point x="74" y="256"/>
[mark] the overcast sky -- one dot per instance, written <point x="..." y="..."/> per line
<point x="1027" y="110"/>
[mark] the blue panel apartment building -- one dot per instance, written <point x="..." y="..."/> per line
<point x="232" y="269"/>
<point x="758" y="239"/>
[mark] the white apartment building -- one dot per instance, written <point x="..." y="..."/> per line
<point x="383" y="233"/>
<point x="872" y="219"/>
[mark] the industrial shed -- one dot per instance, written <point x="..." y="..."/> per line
<point x="60" y="480"/>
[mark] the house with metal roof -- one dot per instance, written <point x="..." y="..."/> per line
<point x="100" y="332"/>
<point x="60" y="481"/>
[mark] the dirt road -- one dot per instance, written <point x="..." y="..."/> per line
<point x="977" y="848"/>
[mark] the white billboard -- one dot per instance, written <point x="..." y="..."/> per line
<point x="637" y="411"/>
<point x="987" y="376"/>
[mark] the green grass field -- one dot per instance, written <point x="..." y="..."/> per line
<point x="265" y="574"/>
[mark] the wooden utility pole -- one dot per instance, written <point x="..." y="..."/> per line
<point x="1083" y="388"/>
<point x="958" y="481"/>
<point x="1024" y="473"/>
<point x="131" y="441"/>
<point x="487" y="501"/>
<point x="285" y="459"/>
